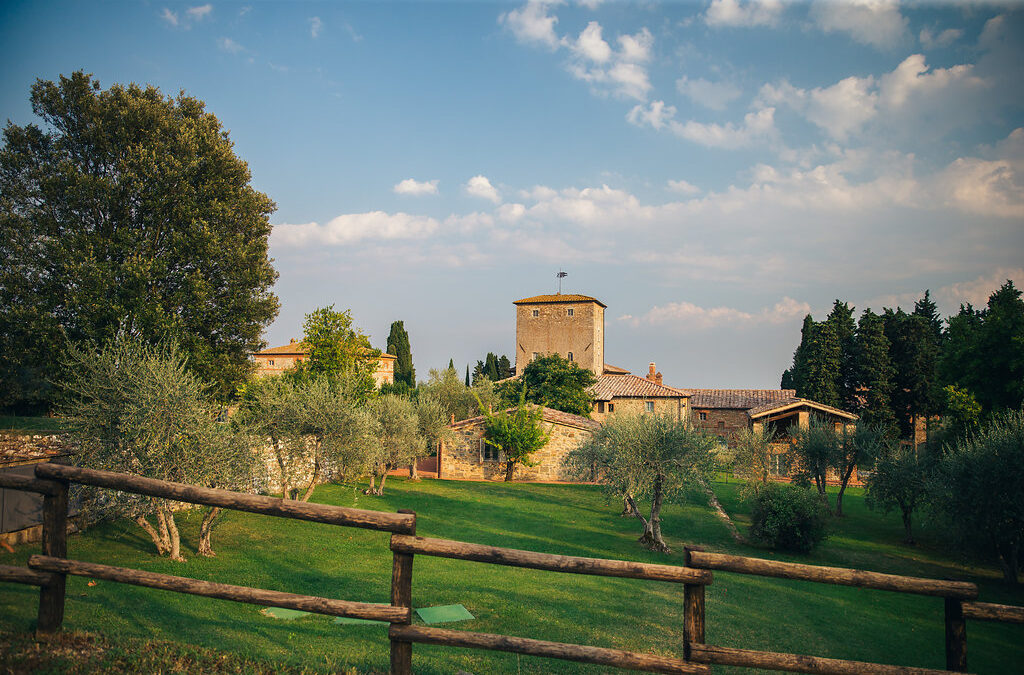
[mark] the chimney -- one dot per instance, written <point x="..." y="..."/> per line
<point x="292" y="341"/>
<point x="453" y="418"/>
<point x="653" y="375"/>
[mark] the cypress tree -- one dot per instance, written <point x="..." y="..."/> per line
<point x="398" y="344"/>
<point x="845" y="327"/>
<point x="467" y="374"/>
<point x="504" y="367"/>
<point x="874" y="372"/>
<point x="823" y="357"/>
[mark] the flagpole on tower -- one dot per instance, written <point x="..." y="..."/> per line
<point x="561" y="275"/>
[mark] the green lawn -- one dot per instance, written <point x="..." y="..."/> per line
<point x="742" y="611"/>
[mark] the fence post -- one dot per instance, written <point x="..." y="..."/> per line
<point x="956" y="636"/>
<point x="55" y="543"/>
<point x="401" y="596"/>
<point x="693" y="609"/>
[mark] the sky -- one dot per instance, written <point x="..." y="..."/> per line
<point x="711" y="171"/>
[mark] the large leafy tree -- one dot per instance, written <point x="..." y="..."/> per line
<point x="555" y="382"/>
<point x="126" y="210"/>
<point x="335" y="345"/>
<point x="915" y="354"/>
<point x="646" y="456"/>
<point x="398" y="344"/>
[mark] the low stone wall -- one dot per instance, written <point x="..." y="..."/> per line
<point x="461" y="459"/>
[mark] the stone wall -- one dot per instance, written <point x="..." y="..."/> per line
<point x="461" y="458"/>
<point x="724" y="422"/>
<point x="675" y="407"/>
<point x="553" y="331"/>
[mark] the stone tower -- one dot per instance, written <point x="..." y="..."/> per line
<point x="571" y="326"/>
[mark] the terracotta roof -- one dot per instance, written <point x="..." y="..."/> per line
<point x="609" y="369"/>
<point x="550" y="415"/>
<point x="796" y="402"/>
<point x="738" y="399"/>
<point x="559" y="297"/>
<point x="296" y="349"/>
<point x="631" y="386"/>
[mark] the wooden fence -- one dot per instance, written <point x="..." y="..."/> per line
<point x="49" y="570"/>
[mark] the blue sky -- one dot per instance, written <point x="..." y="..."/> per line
<point x="712" y="171"/>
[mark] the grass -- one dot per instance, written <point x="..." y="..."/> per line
<point x="34" y="424"/>
<point x="742" y="611"/>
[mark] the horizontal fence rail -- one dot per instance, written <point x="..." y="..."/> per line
<point x="447" y="548"/>
<point x="252" y="596"/>
<point x="22" y="575"/>
<point x="28" y="484"/>
<point x="272" y="506"/>
<point x="834" y="575"/>
<point x="987" y="611"/>
<point x="797" y="663"/>
<point x="651" y="663"/>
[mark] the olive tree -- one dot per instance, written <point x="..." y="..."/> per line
<point x="139" y="409"/>
<point x="900" y="480"/>
<point x="398" y="440"/>
<point x="517" y="433"/>
<point x="646" y="456"/>
<point x="979" y="486"/>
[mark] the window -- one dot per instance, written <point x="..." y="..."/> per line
<point x="778" y="465"/>
<point x="536" y="312"/>
<point x="611" y="407"/>
<point x="600" y="406"/>
<point x="721" y="427"/>
<point x="569" y="312"/>
<point x="488" y="453"/>
<point x="570" y="356"/>
<point x="703" y="416"/>
<point x="649" y="406"/>
<point x="535" y="355"/>
<point x="270" y="362"/>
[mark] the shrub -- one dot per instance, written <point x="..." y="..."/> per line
<point x="788" y="518"/>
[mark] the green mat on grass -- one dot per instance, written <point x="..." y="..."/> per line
<point x="444" y="614"/>
<point x="283" y="613"/>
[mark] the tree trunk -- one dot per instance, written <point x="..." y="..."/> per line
<point x="908" y="532"/>
<point x="821" y="481"/>
<point x="842" y="488"/>
<point x="413" y="474"/>
<point x="205" y="528"/>
<point x="384" y="477"/>
<point x="172" y="529"/>
<point x="283" y="468"/>
<point x="313" y="480"/>
<point x="651" y="537"/>
<point x="628" y="507"/>
<point x="1009" y="561"/>
<point x="510" y="466"/>
<point x="165" y="534"/>
<point x="153" y="534"/>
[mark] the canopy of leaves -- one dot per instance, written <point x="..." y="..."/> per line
<point x="335" y="345"/>
<point x="979" y="486"/>
<point x="456" y="399"/>
<point x="554" y="382"/>
<point x="516" y="433"/>
<point x="127" y="211"/>
<point x="493" y="368"/>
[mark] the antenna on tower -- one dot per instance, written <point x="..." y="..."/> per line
<point x="561" y="275"/>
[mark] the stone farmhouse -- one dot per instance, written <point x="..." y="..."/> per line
<point x="572" y="326"/>
<point x="276" y="360"/>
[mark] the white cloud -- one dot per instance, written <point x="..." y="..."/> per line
<point x="410" y="186"/>
<point x="757" y="126"/>
<point x="170" y="17"/>
<point x="987" y="187"/>
<point x="315" y="26"/>
<point x="683" y="187"/>
<point x="532" y="23"/>
<point x="511" y="213"/>
<point x="978" y="290"/>
<point x="897" y="100"/>
<point x="737" y="13"/>
<point x="714" y="95"/>
<point x="591" y="45"/>
<point x="870" y="22"/>
<point x="621" y="72"/>
<point x="230" y="46"/>
<point x="690" y="315"/>
<point x="353" y="227"/>
<point x="479" y="186"/>
<point x="657" y="115"/>
<point x="199" y="12"/>
<point x="930" y="40"/>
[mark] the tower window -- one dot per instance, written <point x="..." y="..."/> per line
<point x="570" y="311"/>
<point x="535" y="355"/>
<point x="570" y="356"/>
<point x="536" y="312"/>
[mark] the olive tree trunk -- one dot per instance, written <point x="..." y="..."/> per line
<point x="205" y="528"/>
